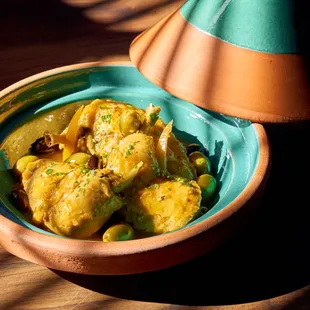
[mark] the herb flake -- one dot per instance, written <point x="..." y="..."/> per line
<point x="155" y="186"/>
<point x="153" y="118"/>
<point x="106" y="118"/>
<point x="84" y="169"/>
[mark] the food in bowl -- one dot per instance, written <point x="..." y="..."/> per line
<point x="237" y="149"/>
<point x="116" y="170"/>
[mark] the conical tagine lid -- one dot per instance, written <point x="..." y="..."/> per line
<point x="236" y="57"/>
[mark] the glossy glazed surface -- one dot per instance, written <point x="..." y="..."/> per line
<point x="264" y="26"/>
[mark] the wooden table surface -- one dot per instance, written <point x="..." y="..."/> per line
<point x="264" y="266"/>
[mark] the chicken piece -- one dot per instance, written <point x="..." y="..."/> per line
<point x="104" y="123"/>
<point x="164" y="206"/>
<point x="98" y="127"/>
<point x="132" y="150"/>
<point x="69" y="200"/>
<point x="102" y="118"/>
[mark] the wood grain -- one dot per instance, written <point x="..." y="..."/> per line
<point x="265" y="266"/>
<point x="29" y="286"/>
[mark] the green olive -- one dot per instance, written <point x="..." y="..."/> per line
<point x="200" y="162"/>
<point x="22" y="163"/>
<point x="130" y="122"/>
<point x="207" y="184"/>
<point x="118" y="232"/>
<point x="78" y="158"/>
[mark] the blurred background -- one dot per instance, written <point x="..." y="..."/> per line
<point x="37" y="35"/>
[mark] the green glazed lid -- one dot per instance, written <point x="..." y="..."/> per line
<point x="259" y="25"/>
<point x="241" y="58"/>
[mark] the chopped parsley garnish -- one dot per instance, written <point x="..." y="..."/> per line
<point x="106" y="118"/>
<point x="129" y="148"/>
<point x="59" y="173"/>
<point x="153" y="118"/>
<point x="184" y="181"/>
<point x="179" y="179"/>
<point x="156" y="169"/>
<point x="156" y="186"/>
<point x="49" y="171"/>
<point x="84" y="169"/>
<point x="105" y="155"/>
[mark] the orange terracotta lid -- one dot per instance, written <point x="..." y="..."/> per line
<point x="239" y="58"/>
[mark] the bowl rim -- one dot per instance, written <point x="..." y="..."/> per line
<point x="97" y="248"/>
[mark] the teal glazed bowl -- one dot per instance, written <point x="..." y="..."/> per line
<point x="238" y="150"/>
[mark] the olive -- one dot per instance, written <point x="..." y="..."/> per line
<point x="207" y="184"/>
<point x="130" y="122"/>
<point x="118" y="232"/>
<point x="191" y="148"/>
<point x="18" y="196"/>
<point x="93" y="162"/>
<point x="40" y="147"/>
<point x="78" y="158"/>
<point x="22" y="163"/>
<point x="200" y="162"/>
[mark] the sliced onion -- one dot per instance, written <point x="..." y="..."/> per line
<point x="162" y="148"/>
<point x="127" y="180"/>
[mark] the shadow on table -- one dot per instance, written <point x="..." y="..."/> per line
<point x="268" y="258"/>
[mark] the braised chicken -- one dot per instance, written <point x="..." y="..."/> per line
<point x="103" y="124"/>
<point x="102" y="119"/>
<point x="118" y="159"/>
<point x="68" y="199"/>
<point x="163" y="206"/>
<point x="130" y="151"/>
